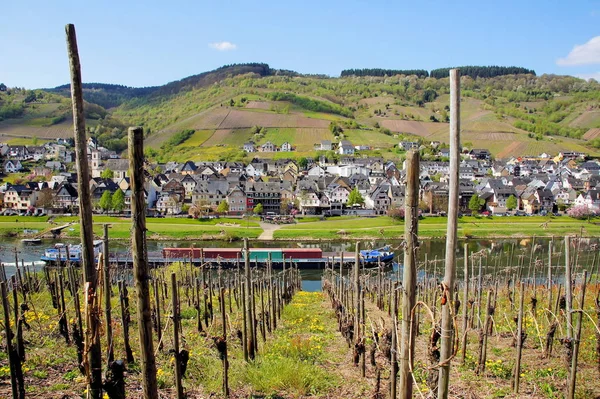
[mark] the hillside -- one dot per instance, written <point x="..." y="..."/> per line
<point x="509" y="114"/>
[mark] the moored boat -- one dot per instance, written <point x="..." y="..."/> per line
<point x="58" y="253"/>
<point x="383" y="254"/>
<point x="31" y="241"/>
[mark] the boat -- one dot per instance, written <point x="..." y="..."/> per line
<point x="383" y="254"/>
<point x="31" y="241"/>
<point x="58" y="253"/>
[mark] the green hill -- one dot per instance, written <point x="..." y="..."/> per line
<point x="519" y="114"/>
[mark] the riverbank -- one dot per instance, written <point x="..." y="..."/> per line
<point x="310" y="229"/>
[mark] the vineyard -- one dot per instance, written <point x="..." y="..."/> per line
<point x="251" y="331"/>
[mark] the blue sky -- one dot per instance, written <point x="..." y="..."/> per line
<point x="144" y="43"/>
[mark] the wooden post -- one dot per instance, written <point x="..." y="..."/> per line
<point x="465" y="309"/>
<point x="576" y="342"/>
<point x="549" y="280"/>
<point x="393" y="352"/>
<point x="94" y="354"/>
<point x="249" y="308"/>
<point x="175" y="316"/>
<point x="451" y="240"/>
<point x="141" y="272"/>
<point x="409" y="283"/>
<point x="158" y="315"/>
<point x="517" y="375"/>
<point x="568" y="288"/>
<point x="107" y="295"/>
<point x="357" y="330"/>
<point x="224" y="353"/>
<point x="9" y="347"/>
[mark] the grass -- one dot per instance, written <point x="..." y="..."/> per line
<point x="385" y="227"/>
<point x="334" y="228"/>
<point x="158" y="228"/>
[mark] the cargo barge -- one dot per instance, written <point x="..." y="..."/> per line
<point x="303" y="258"/>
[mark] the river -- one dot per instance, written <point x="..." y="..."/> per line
<point x="498" y="254"/>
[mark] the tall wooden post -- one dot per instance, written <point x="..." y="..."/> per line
<point x="517" y="369"/>
<point x="107" y="295"/>
<point x="357" y="330"/>
<point x="94" y="354"/>
<point x="451" y="240"/>
<point x="549" y="280"/>
<point x="175" y="316"/>
<point x="465" y="307"/>
<point x="224" y="358"/>
<point x="249" y="337"/>
<point x="141" y="270"/>
<point x="576" y="342"/>
<point x="568" y="288"/>
<point x="409" y="283"/>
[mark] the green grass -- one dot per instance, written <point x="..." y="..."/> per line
<point x="385" y="227"/>
<point x="199" y="137"/>
<point x="120" y="228"/>
<point x="279" y="135"/>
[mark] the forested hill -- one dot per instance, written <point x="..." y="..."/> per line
<point x="111" y="95"/>
<point x="472" y="71"/>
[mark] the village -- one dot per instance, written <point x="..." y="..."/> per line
<point x="540" y="184"/>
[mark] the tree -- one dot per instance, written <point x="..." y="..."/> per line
<point x="258" y="209"/>
<point x="106" y="201"/>
<point x="303" y="163"/>
<point x="223" y="207"/>
<point x="355" y="198"/>
<point x="45" y="198"/>
<point x="118" y="201"/>
<point x="475" y="203"/>
<point x="107" y="174"/>
<point x="511" y="203"/>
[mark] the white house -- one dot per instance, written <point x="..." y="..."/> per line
<point x="249" y="147"/>
<point x="268" y="147"/>
<point x="286" y="147"/>
<point x="346" y="148"/>
<point x="11" y="166"/>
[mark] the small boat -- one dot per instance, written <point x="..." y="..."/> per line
<point x="31" y="241"/>
<point x="383" y="254"/>
<point x="58" y="253"/>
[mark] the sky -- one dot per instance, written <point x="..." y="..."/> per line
<point x="148" y="43"/>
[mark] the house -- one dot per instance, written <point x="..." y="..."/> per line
<point x="268" y="194"/>
<point x="378" y="199"/>
<point x="169" y="203"/>
<point x="20" y="197"/>
<point x="249" y="147"/>
<point x="286" y="147"/>
<point x="188" y="168"/>
<point x="17" y="152"/>
<point x="66" y="197"/>
<point x="236" y="199"/>
<point x="12" y="166"/>
<point x="590" y="199"/>
<point x="345" y="148"/>
<point x="407" y="145"/>
<point x="480" y="153"/>
<point x="324" y="145"/>
<point x="36" y="153"/>
<point x="268" y="147"/>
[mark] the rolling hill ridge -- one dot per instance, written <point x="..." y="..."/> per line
<point x="511" y="114"/>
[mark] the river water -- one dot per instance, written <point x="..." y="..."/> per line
<point x="498" y="254"/>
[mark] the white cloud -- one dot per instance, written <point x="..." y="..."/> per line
<point x="222" y="46"/>
<point x="588" y="76"/>
<point x="583" y="54"/>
